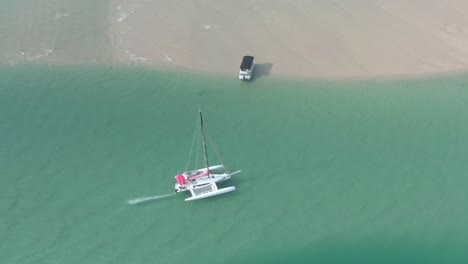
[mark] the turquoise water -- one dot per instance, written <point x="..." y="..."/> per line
<point x="332" y="172"/>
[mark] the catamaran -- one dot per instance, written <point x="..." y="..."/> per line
<point x="203" y="183"/>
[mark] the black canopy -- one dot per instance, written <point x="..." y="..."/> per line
<point x="247" y="62"/>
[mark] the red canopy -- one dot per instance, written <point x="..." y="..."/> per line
<point x="180" y="179"/>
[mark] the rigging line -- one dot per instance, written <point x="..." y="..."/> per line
<point x="204" y="141"/>
<point x="198" y="147"/>
<point x="195" y="133"/>
<point x="214" y="148"/>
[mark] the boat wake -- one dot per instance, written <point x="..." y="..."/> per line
<point x="149" y="198"/>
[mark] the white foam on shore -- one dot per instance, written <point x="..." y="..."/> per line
<point x="15" y="58"/>
<point x="42" y="53"/>
<point x="125" y="14"/>
<point x="133" y="56"/>
<point x="166" y="56"/>
<point x="60" y="15"/>
<point x="206" y="26"/>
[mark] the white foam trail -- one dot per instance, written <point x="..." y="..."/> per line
<point x="149" y="198"/>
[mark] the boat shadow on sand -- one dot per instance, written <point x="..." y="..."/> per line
<point x="261" y="70"/>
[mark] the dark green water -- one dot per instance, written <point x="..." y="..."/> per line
<point x="332" y="172"/>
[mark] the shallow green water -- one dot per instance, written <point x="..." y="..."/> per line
<point x="358" y="172"/>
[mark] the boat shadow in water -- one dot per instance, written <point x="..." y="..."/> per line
<point x="236" y="181"/>
<point x="262" y="69"/>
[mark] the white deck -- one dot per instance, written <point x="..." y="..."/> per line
<point x="206" y="186"/>
<point x="245" y="75"/>
<point x="215" y="178"/>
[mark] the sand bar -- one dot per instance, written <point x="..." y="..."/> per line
<point x="295" y="38"/>
<point x="318" y="39"/>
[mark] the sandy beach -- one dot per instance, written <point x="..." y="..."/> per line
<point x="312" y="39"/>
<point x="316" y="39"/>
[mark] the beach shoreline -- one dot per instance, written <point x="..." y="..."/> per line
<point x="321" y="40"/>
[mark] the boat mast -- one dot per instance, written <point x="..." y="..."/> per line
<point x="204" y="142"/>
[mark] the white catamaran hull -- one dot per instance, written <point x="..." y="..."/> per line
<point x="210" y="194"/>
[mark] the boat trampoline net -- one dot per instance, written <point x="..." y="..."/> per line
<point x="203" y="190"/>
